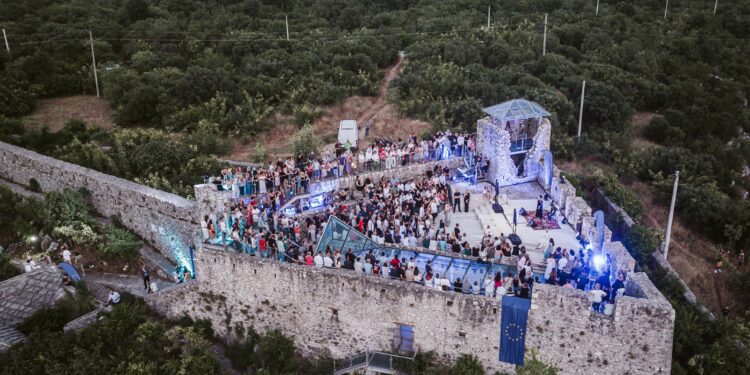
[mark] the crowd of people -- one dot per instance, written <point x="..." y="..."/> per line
<point x="415" y="212"/>
<point x="294" y="175"/>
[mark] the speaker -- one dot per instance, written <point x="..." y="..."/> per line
<point x="497" y="208"/>
<point x="522" y="212"/>
<point x="533" y="223"/>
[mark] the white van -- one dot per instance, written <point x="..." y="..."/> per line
<point x="348" y="131"/>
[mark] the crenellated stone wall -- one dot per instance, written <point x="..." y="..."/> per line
<point x="339" y="313"/>
<point x="165" y="220"/>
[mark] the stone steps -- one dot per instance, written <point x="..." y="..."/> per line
<point x="9" y="336"/>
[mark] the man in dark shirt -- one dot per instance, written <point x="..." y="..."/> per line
<point x="458" y="285"/>
<point x="467" y="197"/>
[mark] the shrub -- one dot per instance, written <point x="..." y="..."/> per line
<point x="78" y="232"/>
<point x="467" y="365"/>
<point x="533" y="366"/>
<point x="65" y="208"/>
<point x="260" y="154"/>
<point x="622" y="196"/>
<point x="120" y="244"/>
<point x="306" y="141"/>
<point x="6" y="269"/>
<point x="34" y="185"/>
<point x="642" y="240"/>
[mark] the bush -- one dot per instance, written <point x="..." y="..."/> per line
<point x="467" y="365"/>
<point x="120" y="244"/>
<point x="34" y="185"/>
<point x="306" y="141"/>
<point x="65" y="208"/>
<point x="6" y="269"/>
<point x="533" y="366"/>
<point x="627" y="199"/>
<point x="643" y="240"/>
<point x="78" y="232"/>
<point x="260" y="154"/>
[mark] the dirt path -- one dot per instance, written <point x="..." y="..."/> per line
<point x="379" y="102"/>
<point x="386" y="122"/>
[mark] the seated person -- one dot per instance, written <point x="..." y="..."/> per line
<point x="114" y="298"/>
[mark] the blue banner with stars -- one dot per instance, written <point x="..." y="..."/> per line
<point x="515" y="313"/>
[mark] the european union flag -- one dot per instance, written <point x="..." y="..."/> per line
<point x="513" y="329"/>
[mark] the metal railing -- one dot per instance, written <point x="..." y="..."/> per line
<point x="299" y="182"/>
<point x="375" y="360"/>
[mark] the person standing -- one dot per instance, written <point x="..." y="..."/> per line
<point x="539" y="207"/>
<point x="457" y="201"/>
<point x="467" y="197"/>
<point x="66" y="254"/>
<point x="146" y="278"/>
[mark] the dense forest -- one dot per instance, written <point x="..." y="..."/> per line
<point x="184" y="77"/>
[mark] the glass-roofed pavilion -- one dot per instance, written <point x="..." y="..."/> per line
<point x="519" y="117"/>
<point x="340" y="236"/>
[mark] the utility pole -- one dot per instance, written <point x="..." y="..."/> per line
<point x="671" y="214"/>
<point x="544" y="43"/>
<point x="286" y="20"/>
<point x="716" y="4"/>
<point x="580" y="111"/>
<point x="597" y="8"/>
<point x="666" y="8"/>
<point x="5" y="36"/>
<point x="93" y="62"/>
<point x="488" y="17"/>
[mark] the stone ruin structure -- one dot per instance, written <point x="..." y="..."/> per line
<point x="515" y="137"/>
<point x="338" y="313"/>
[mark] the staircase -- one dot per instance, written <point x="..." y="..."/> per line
<point x="369" y="361"/>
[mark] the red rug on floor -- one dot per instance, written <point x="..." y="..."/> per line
<point x="544" y="222"/>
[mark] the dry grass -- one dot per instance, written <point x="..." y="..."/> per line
<point x="55" y="112"/>
<point x="691" y="255"/>
<point x="385" y="119"/>
<point x="638" y="122"/>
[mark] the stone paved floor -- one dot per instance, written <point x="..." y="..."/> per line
<point x="518" y="196"/>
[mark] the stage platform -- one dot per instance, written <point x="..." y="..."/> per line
<point x="516" y="197"/>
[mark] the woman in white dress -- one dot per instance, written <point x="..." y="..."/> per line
<point x="262" y="181"/>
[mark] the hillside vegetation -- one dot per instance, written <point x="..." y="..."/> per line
<point x="187" y="77"/>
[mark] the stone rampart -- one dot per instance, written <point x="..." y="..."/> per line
<point x="339" y="313"/>
<point x="165" y="220"/>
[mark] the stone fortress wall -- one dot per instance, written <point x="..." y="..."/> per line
<point x="167" y="221"/>
<point x="339" y="313"/>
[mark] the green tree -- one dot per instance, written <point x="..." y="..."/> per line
<point x="65" y="208"/>
<point x="306" y="141"/>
